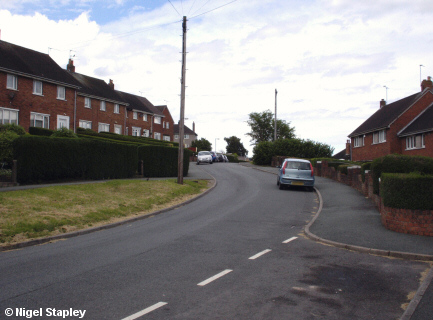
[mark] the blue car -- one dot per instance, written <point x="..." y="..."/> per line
<point x="214" y="156"/>
<point x="296" y="173"/>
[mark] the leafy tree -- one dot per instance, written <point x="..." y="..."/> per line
<point x="202" y="145"/>
<point x="262" y="127"/>
<point x="234" y="145"/>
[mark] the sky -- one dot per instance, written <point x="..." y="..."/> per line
<point x="331" y="61"/>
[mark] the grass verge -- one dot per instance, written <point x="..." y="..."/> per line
<point x="35" y="213"/>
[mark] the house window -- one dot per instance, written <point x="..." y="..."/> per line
<point x="103" y="127"/>
<point x="186" y="136"/>
<point x="167" y="125"/>
<point x="37" y="87"/>
<point x="358" y="141"/>
<point x="144" y="117"/>
<point x="87" y="103"/>
<point x="166" y="138"/>
<point x="85" y="124"/>
<point x="103" y="107"/>
<point x="116" y="108"/>
<point x="12" y="82"/>
<point x="157" y="136"/>
<point x="176" y="137"/>
<point x="157" y="120"/>
<point x="136" y="131"/>
<point x="415" y="142"/>
<point x="61" y="93"/>
<point x="135" y="115"/>
<point x="62" y="122"/>
<point x="39" y="120"/>
<point x="145" y="133"/>
<point x="8" y="116"/>
<point x="117" y="129"/>
<point x="379" y="136"/>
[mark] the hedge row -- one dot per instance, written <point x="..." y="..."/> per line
<point x="162" y="161"/>
<point x="399" y="164"/>
<point x="407" y="191"/>
<point x="297" y="148"/>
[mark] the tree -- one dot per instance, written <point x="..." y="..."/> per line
<point x="202" y="145"/>
<point x="234" y="145"/>
<point x="262" y="127"/>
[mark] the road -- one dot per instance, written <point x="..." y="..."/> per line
<point x="236" y="253"/>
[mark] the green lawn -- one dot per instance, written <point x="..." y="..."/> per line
<point x="35" y="213"/>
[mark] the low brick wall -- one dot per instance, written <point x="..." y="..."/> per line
<point x="418" y="222"/>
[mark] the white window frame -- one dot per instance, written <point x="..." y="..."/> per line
<point x="157" y="136"/>
<point x="144" y="117"/>
<point x="62" y="122"/>
<point x="167" y="125"/>
<point x="117" y="129"/>
<point x="45" y="118"/>
<point x="103" y="106"/>
<point x="136" y="131"/>
<point x="103" y="127"/>
<point x="146" y="133"/>
<point x="379" y="136"/>
<point x="166" y="138"/>
<point x="176" y="137"/>
<point x="12" y="82"/>
<point x="8" y="112"/>
<point x="85" y="124"/>
<point x="358" y="141"/>
<point x="186" y="136"/>
<point x="61" y="93"/>
<point x="87" y="102"/>
<point x="415" y="142"/>
<point x="38" y="87"/>
<point x="116" y="108"/>
<point x="135" y="115"/>
<point x="157" y="120"/>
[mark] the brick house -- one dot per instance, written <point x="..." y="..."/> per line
<point x="34" y="90"/>
<point x="189" y="135"/>
<point x="402" y="127"/>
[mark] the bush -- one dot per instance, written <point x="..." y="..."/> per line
<point x="343" y="168"/>
<point x="8" y="133"/>
<point x="407" y="191"/>
<point x="35" y="131"/>
<point x="12" y="128"/>
<point x="399" y="164"/>
<point x="233" y="158"/>
<point x="160" y="161"/>
<point x="64" y="133"/>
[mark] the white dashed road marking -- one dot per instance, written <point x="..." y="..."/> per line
<point x="259" y="254"/>
<point x="145" y="311"/>
<point x="291" y="239"/>
<point x="219" y="275"/>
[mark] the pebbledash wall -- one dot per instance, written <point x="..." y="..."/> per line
<point x="418" y="222"/>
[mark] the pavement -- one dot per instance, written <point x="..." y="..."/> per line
<point x="348" y="220"/>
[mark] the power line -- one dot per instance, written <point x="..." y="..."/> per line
<point x="212" y="9"/>
<point x="174" y="8"/>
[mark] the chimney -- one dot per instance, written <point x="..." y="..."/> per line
<point x="70" y="67"/>
<point x="382" y="103"/>
<point x="111" y="84"/>
<point x="193" y="126"/>
<point x="347" y="148"/>
<point x="426" y="84"/>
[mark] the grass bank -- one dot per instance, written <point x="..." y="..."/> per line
<point x="35" y="213"/>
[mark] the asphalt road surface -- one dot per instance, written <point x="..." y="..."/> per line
<point x="236" y="253"/>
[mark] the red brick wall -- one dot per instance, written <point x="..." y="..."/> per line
<point x="427" y="151"/>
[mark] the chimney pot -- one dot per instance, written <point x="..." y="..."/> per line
<point x="111" y="84"/>
<point x="382" y="103"/>
<point x="426" y="84"/>
<point x="70" y="67"/>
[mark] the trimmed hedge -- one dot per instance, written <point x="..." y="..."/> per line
<point x="35" y="131"/>
<point x="159" y="161"/>
<point x="407" y="191"/>
<point x="48" y="159"/>
<point x="232" y="158"/>
<point x="399" y="164"/>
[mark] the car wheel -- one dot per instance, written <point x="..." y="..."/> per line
<point x="198" y="163"/>
<point x="278" y="182"/>
<point x="281" y="186"/>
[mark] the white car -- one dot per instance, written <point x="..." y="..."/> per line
<point x="204" y="156"/>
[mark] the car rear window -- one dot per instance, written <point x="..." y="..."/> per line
<point x="203" y="153"/>
<point x="297" y="165"/>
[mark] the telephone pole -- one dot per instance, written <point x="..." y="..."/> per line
<point x="275" y="124"/>
<point x="182" y="107"/>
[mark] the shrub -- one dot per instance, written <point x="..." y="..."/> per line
<point x="35" y="131"/>
<point x="64" y="133"/>
<point x="407" y="191"/>
<point x="12" y="128"/>
<point x="161" y="161"/>
<point x="343" y="168"/>
<point x="6" y="147"/>
<point x="233" y="158"/>
<point x="399" y="164"/>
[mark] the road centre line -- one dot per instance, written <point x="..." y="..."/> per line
<point x="259" y="254"/>
<point x="219" y="275"/>
<point x="291" y="239"/>
<point x="145" y="311"/>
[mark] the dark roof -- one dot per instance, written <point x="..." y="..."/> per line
<point x="341" y="155"/>
<point x="136" y="102"/>
<point x="186" y="130"/>
<point x="386" y="115"/>
<point x="422" y="123"/>
<point x="97" y="88"/>
<point x="33" y="64"/>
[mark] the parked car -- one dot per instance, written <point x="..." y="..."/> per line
<point x="225" y="158"/>
<point x="214" y="156"/>
<point x="204" y="156"/>
<point x="296" y="172"/>
<point x="220" y="157"/>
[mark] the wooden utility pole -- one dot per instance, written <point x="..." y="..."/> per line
<point x="275" y="125"/>
<point x="182" y="107"/>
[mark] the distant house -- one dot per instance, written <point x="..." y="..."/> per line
<point x="36" y="92"/>
<point x="189" y="135"/>
<point x="403" y="127"/>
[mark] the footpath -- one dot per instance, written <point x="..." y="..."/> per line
<point x="347" y="219"/>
